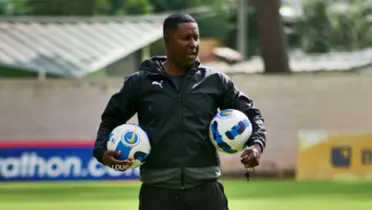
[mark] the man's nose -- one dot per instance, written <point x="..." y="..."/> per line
<point x="194" y="44"/>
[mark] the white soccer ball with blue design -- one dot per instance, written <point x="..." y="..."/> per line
<point x="132" y="141"/>
<point x="230" y="130"/>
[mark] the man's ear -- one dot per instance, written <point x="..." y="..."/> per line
<point x="167" y="37"/>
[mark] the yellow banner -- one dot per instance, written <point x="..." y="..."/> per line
<point x="326" y="156"/>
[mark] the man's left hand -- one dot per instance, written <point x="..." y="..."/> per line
<point x="251" y="156"/>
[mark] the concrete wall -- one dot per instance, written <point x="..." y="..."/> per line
<point x="124" y="66"/>
<point x="54" y="110"/>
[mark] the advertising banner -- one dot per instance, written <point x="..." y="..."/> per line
<point x="326" y="156"/>
<point x="55" y="161"/>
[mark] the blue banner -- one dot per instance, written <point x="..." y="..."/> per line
<point x="55" y="162"/>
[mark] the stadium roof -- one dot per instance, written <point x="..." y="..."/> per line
<point x="73" y="47"/>
<point x="300" y="62"/>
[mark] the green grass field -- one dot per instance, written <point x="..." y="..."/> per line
<point x="261" y="195"/>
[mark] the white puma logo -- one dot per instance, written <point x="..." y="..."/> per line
<point x="158" y="83"/>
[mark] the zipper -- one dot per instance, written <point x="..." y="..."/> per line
<point x="180" y="93"/>
<point x="183" y="145"/>
<point x="179" y="99"/>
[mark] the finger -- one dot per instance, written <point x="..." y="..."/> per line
<point x="247" y="152"/>
<point x="130" y="163"/>
<point x="125" y="162"/>
<point x="117" y="153"/>
<point x="113" y="153"/>
<point x="244" y="161"/>
<point x="247" y="159"/>
<point x="244" y="154"/>
<point x="121" y="162"/>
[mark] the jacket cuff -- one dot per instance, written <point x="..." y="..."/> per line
<point x="98" y="154"/>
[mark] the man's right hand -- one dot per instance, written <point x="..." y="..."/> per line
<point x="109" y="159"/>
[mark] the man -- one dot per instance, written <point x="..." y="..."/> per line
<point x="175" y="98"/>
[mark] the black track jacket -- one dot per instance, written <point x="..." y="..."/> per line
<point x="177" y="121"/>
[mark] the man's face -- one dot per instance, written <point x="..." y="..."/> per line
<point x="183" y="43"/>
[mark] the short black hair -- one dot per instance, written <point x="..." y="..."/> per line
<point x="172" y="21"/>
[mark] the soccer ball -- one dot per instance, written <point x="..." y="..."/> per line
<point x="132" y="141"/>
<point x="230" y="130"/>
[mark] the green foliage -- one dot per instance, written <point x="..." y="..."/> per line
<point x="86" y="7"/>
<point x="325" y="28"/>
<point x="60" y="7"/>
<point x="137" y="6"/>
<point x="98" y="7"/>
<point x="215" y="24"/>
<point x="8" y="72"/>
<point x="314" y="26"/>
<point x="13" y="7"/>
<point x="351" y="30"/>
<point x="122" y="7"/>
<point x="175" y="5"/>
<point x="164" y="5"/>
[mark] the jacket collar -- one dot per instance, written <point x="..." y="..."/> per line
<point x="154" y="66"/>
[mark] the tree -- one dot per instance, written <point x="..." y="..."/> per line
<point x="325" y="27"/>
<point x="314" y="26"/>
<point x="271" y="36"/>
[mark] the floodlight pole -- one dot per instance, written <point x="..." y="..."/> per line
<point x="242" y="28"/>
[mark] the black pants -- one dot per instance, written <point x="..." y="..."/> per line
<point x="208" y="196"/>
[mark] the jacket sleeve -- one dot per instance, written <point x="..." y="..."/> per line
<point x="235" y="99"/>
<point x="120" y="108"/>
